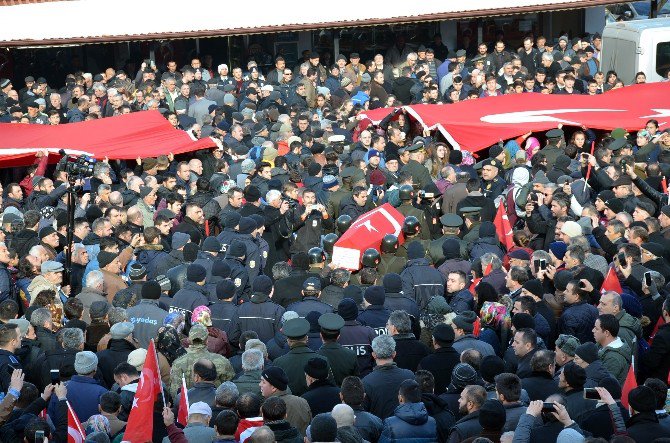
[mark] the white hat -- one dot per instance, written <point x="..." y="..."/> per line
<point x="221" y="66"/>
<point x="200" y="407"/>
<point x="571" y="229"/>
<point x="268" y="88"/>
<point x="137" y="358"/>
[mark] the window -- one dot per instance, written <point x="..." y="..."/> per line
<point x="663" y="59"/>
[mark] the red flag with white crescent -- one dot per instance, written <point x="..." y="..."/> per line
<point x="140" y="425"/>
<point x="182" y="414"/>
<point x="75" y="432"/>
<point x="503" y="227"/>
<point x="611" y="283"/>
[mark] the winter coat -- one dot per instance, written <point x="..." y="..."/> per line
<point x="630" y="329"/>
<point x="656" y="361"/>
<point x="87" y="296"/>
<point x="84" y="394"/>
<point x="578" y="320"/>
<point x="342" y="361"/>
<point x="322" y="396"/>
<point x="284" y="432"/>
<point x="421" y="281"/>
<point x="599" y="421"/>
<point x="332" y="295"/>
<point x="46" y="339"/>
<point x="289" y="289"/>
<point x="439" y="410"/>
<point x="189" y="297"/>
<point x="469" y="341"/>
<point x="223" y="316"/>
<point x="440" y="364"/>
<point x="409" y="351"/>
<point x="309" y="304"/>
<point x="358" y="338"/>
<point x="616" y="358"/>
<point x="644" y="427"/>
<point x="461" y="301"/>
<point x="410" y="423"/>
<point x="595" y="372"/>
<point x="113" y="284"/>
<point x="260" y="314"/>
<point x="539" y="385"/>
<point x="277" y="346"/>
<point x="61" y="359"/>
<point x="349" y="207"/>
<point x="293" y="364"/>
<point x="381" y="388"/>
<point x="368" y="425"/>
<point x="147" y="317"/>
<point x="466" y="427"/>
<point x="577" y="405"/>
<point x="150" y="256"/>
<point x="297" y="410"/>
<point x="483" y="246"/>
<point x="376" y="317"/>
<point x="172" y="259"/>
<point x="248" y="382"/>
<point x="513" y="412"/>
<point x="117" y="352"/>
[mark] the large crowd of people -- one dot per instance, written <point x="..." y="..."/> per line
<point x="224" y="259"/>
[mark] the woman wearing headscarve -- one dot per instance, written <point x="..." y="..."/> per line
<point x="217" y="341"/>
<point x="495" y="321"/>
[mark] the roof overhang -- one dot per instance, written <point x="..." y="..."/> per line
<point x="76" y="22"/>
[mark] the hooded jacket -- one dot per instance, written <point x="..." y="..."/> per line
<point x="410" y="422"/>
<point x="616" y="358"/>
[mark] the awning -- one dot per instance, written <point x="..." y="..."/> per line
<point x="140" y="134"/>
<point x="54" y="23"/>
<point x="474" y="125"/>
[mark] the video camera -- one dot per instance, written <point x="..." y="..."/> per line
<point x="76" y="166"/>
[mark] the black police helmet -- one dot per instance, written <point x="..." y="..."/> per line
<point x="406" y="192"/>
<point x="411" y="225"/>
<point x="328" y="242"/>
<point x="343" y="223"/>
<point x="370" y="258"/>
<point x="316" y="255"/>
<point x="389" y="244"/>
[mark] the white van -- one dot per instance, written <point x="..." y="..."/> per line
<point x="637" y="46"/>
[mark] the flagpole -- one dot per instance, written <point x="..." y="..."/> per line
<point x="588" y="168"/>
<point x="160" y="381"/>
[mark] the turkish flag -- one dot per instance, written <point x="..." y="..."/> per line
<point x="474" y="125"/>
<point x="75" y="432"/>
<point x="367" y="232"/>
<point x="628" y="385"/>
<point x="611" y="283"/>
<point x="182" y="415"/>
<point x="476" y="281"/>
<point x="503" y="227"/>
<point x="140" y="425"/>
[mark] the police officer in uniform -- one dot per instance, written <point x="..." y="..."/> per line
<point x="342" y="361"/>
<point x="429" y="201"/>
<point x="231" y="221"/>
<point x="253" y="256"/>
<point x="294" y="362"/>
<point x="406" y="194"/>
<point x="451" y="225"/>
<point x="311" y="290"/>
<point x="375" y="314"/>
<point x="317" y="262"/>
<point x="238" y="272"/>
<point x="261" y="243"/>
<point x="355" y="336"/>
<point x="329" y="241"/>
<point x="411" y="227"/>
<point x="492" y="184"/>
<point x="260" y="313"/>
<point x="554" y="146"/>
<point x="471" y="218"/>
<point x="389" y="262"/>
<point x="11" y="341"/>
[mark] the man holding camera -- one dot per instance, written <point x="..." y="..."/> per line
<point x="308" y="223"/>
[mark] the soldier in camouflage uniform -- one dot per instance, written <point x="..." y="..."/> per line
<point x="197" y="350"/>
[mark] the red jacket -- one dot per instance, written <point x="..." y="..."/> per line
<point x="27" y="183"/>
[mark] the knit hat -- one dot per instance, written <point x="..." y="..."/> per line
<point x="451" y="248"/>
<point x="465" y="321"/>
<point x="329" y="182"/>
<point x="571" y="229"/>
<point x="262" y="284"/>
<point x="574" y="375"/>
<point x="196" y="273"/>
<point x="317" y="368"/>
<point x="558" y="248"/>
<point x="534" y="286"/>
<point x="247" y="166"/>
<point x="179" y="240"/>
<point x="190" y="252"/>
<point x="347" y="309"/>
<point x="612" y="385"/>
<point x="276" y="377"/>
<point x="415" y="250"/>
<point x="444" y="333"/>
<point x="221" y="269"/>
<point x="145" y="190"/>
<point x="252" y="193"/>
<point x="567" y="343"/>
<point x="211" y="244"/>
<point x="462" y="375"/>
<point x="642" y="399"/>
<point x="47" y="230"/>
<point x="246" y="225"/>
<point x="137" y="358"/>
<point x="392" y="283"/>
<point x="225" y="289"/>
<point x="105" y="258"/>
<point x="375" y="295"/>
<point x="151" y="290"/>
<point x="137" y="271"/>
<point x="121" y="330"/>
<point x="569" y="435"/>
<point x="85" y="362"/>
<point x="438" y="305"/>
<point x="490" y="366"/>
<point x="523" y="320"/>
<point x="587" y="351"/>
<point x="355" y="293"/>
<point x="237" y="249"/>
<point x="492" y="415"/>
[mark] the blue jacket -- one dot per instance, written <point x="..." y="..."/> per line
<point x="150" y="258"/>
<point x="410" y="423"/>
<point x="376" y="317"/>
<point x="84" y="394"/>
<point x="578" y="320"/>
<point x="462" y="301"/>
